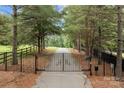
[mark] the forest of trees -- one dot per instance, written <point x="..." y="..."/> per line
<point x="28" y="25"/>
<point x="94" y="24"/>
<point x="87" y="27"/>
<point x="96" y="27"/>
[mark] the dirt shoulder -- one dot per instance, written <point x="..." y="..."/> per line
<point x="99" y="81"/>
<point x="27" y="78"/>
<point x="17" y="79"/>
<point x="104" y="82"/>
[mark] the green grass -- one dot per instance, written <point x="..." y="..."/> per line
<point x="51" y="49"/>
<point x="5" y="48"/>
<point x="8" y="48"/>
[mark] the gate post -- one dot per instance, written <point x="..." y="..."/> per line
<point x="36" y="57"/>
<point x="90" y="69"/>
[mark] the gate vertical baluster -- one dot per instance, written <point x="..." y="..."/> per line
<point x="78" y="65"/>
<point x="52" y="65"/>
<point x="60" y="64"/>
<point x="58" y="57"/>
<point x="63" y="62"/>
<point x="69" y="58"/>
<point x="74" y="62"/>
<point x="80" y="62"/>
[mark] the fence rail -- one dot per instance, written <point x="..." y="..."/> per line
<point x="8" y="56"/>
<point x="108" y="58"/>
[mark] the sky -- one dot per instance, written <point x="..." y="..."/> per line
<point x="5" y="9"/>
<point x="59" y="8"/>
<point x="8" y="9"/>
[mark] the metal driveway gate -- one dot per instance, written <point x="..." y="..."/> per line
<point x="63" y="62"/>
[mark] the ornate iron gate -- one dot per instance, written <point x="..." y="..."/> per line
<point x="63" y="62"/>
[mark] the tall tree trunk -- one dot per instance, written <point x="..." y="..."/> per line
<point x="39" y="47"/>
<point x="79" y="42"/>
<point x="119" y="45"/>
<point x="43" y="41"/>
<point x="93" y="27"/>
<point x="15" y="61"/>
<point x="99" y="45"/>
<point x="74" y="44"/>
<point x="39" y="43"/>
<point x="87" y="37"/>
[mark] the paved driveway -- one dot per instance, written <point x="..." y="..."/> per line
<point x="63" y="79"/>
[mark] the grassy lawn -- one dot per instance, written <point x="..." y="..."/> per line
<point x="8" y="48"/>
<point x="51" y="49"/>
<point x="5" y="48"/>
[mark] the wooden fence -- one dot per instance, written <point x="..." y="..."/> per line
<point x="7" y="57"/>
<point x="108" y="58"/>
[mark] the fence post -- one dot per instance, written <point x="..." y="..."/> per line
<point x="90" y="69"/>
<point x="36" y="57"/>
<point x="104" y="68"/>
<point x="5" y="60"/>
<point x="21" y="61"/>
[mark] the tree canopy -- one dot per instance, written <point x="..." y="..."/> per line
<point x="89" y="21"/>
